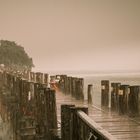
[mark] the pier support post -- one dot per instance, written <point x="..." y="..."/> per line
<point x="123" y="99"/>
<point x="79" y="85"/>
<point x="69" y="85"/>
<point x="134" y="101"/>
<point x="105" y="93"/>
<point x="90" y="94"/>
<point x="46" y="79"/>
<point x="114" y="96"/>
<point x="81" y="88"/>
<point x="51" y="108"/>
<point x="73" y="87"/>
<point x="32" y="77"/>
<point x="74" y="135"/>
<point x="39" y="77"/>
<point x="65" y="121"/>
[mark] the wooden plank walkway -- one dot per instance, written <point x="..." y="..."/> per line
<point x="120" y="126"/>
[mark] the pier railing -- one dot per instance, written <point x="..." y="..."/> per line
<point x="77" y="125"/>
<point x="89" y="129"/>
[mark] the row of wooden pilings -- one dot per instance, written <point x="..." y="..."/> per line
<point x="124" y="99"/>
<point x="77" y="125"/>
<point x="29" y="106"/>
<point x="71" y="86"/>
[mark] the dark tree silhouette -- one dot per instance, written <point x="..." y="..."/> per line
<point x="13" y="56"/>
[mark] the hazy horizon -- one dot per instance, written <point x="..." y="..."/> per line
<point x="96" y="35"/>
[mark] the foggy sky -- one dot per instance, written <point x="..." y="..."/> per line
<point x="75" y="34"/>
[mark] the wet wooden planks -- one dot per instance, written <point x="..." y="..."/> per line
<point x="121" y="127"/>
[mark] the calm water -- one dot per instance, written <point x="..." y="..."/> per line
<point x="96" y="81"/>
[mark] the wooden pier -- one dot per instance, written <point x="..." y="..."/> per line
<point x="121" y="127"/>
<point x="36" y="112"/>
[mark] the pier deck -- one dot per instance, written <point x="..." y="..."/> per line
<point x="120" y="126"/>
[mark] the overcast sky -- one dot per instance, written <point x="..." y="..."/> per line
<point x="75" y="34"/>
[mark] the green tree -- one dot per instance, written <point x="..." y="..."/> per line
<point x="13" y="56"/>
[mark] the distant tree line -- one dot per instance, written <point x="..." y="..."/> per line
<point x="14" y="57"/>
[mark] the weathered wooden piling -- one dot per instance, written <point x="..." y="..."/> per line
<point x="65" y="121"/>
<point x="79" y="95"/>
<point x="73" y="87"/>
<point x="123" y="99"/>
<point x="64" y="77"/>
<point x="46" y="79"/>
<point x="61" y="83"/>
<point x="105" y="93"/>
<point x="69" y="85"/>
<point x="81" y="88"/>
<point x="74" y="135"/>
<point x="115" y="96"/>
<point x="26" y="74"/>
<point x="39" y="77"/>
<point x="90" y="93"/>
<point x="69" y="124"/>
<point x="134" y="101"/>
<point x="51" y="108"/>
<point x="32" y="77"/>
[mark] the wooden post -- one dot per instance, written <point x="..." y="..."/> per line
<point x="114" y="96"/>
<point x="1" y="82"/>
<point x="51" y="114"/>
<point x="81" y="88"/>
<point x="134" y="101"/>
<point x="74" y="135"/>
<point x="26" y="74"/>
<point x="120" y="102"/>
<point x="62" y="83"/>
<point x="69" y="85"/>
<point x="77" y="89"/>
<point x="123" y="99"/>
<point x="37" y="110"/>
<point x="39" y="77"/>
<point x="90" y="94"/>
<point x="52" y="132"/>
<point x="74" y="87"/>
<point x="46" y="80"/>
<point x="105" y="93"/>
<point x="65" y="121"/>
<point x="65" y="83"/>
<point x="32" y="77"/>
